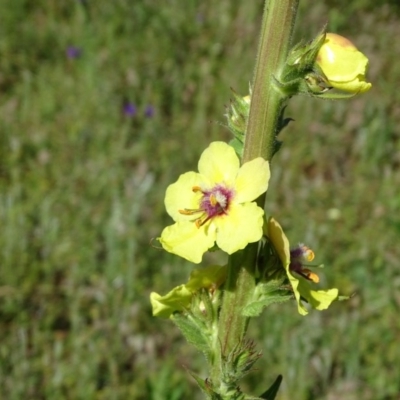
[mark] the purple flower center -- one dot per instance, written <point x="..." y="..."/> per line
<point x="215" y="202"/>
<point x="297" y="257"/>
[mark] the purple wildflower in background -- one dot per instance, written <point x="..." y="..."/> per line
<point x="73" y="52"/>
<point x="129" y="109"/>
<point x="149" y="111"/>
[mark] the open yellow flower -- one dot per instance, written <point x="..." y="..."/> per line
<point x="215" y="205"/>
<point x="318" y="299"/>
<point x="180" y="298"/>
<point x="343" y="64"/>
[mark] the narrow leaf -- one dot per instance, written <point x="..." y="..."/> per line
<point x="271" y="393"/>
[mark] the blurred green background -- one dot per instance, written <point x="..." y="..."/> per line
<point x="102" y="105"/>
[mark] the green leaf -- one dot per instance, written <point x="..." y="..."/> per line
<point x="265" y="294"/>
<point x="203" y="385"/>
<point x="194" y="330"/>
<point x="255" y="308"/>
<point x="271" y="393"/>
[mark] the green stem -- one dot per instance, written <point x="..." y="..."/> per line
<point x="267" y="100"/>
<point x="266" y="104"/>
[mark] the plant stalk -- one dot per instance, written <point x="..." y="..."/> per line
<point x="266" y="104"/>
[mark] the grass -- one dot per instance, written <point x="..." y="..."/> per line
<point x="82" y="186"/>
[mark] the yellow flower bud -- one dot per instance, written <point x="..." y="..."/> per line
<point x="343" y="65"/>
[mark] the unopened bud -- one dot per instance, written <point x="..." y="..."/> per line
<point x="343" y="64"/>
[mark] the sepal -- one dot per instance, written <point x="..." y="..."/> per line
<point x="299" y="75"/>
<point x="237" y="116"/>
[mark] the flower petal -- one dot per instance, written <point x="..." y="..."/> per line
<point x="242" y="225"/>
<point x="180" y="195"/>
<point x="295" y="286"/>
<point x="252" y="180"/>
<point x="214" y="275"/>
<point x="357" y="85"/>
<point x="186" y="240"/>
<point x="343" y="64"/>
<point x="177" y="299"/>
<point x="279" y="241"/>
<point x="318" y="299"/>
<point x="219" y="163"/>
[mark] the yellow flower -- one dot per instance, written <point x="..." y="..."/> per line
<point x="343" y="65"/>
<point x="318" y="299"/>
<point x="180" y="298"/>
<point x="215" y="205"/>
<point x="177" y="299"/>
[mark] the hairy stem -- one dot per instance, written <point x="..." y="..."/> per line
<point x="266" y="103"/>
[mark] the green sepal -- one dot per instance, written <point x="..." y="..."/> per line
<point x="297" y="74"/>
<point x="237" y="116"/>
<point x="265" y="294"/>
<point x="302" y="57"/>
<point x="194" y="330"/>
<point x="239" y="362"/>
<point x="333" y="96"/>
<point x="271" y="393"/>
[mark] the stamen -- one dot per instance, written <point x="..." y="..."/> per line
<point x="188" y="211"/>
<point x="311" y="276"/>
<point x="200" y="223"/>
<point x="308" y="254"/>
<point x="213" y="200"/>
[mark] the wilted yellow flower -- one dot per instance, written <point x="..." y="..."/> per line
<point x="318" y="299"/>
<point x="216" y="205"/>
<point x="177" y="299"/>
<point x="180" y="297"/>
<point x="343" y="64"/>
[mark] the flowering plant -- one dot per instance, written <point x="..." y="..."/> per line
<point x="221" y="207"/>
<point x="216" y="205"/>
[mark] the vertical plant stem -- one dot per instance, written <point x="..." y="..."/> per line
<point x="266" y="100"/>
<point x="266" y="104"/>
